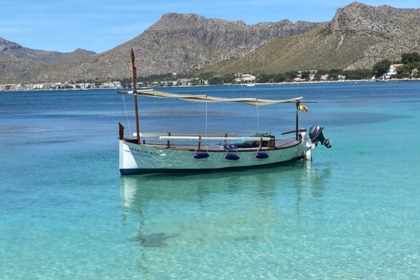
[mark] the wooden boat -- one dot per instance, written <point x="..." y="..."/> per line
<point x="175" y="152"/>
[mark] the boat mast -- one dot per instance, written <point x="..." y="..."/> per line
<point x="136" y="108"/>
<point x="297" y="119"/>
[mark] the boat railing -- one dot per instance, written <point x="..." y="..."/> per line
<point x="267" y="141"/>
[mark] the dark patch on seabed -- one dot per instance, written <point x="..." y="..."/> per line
<point x="156" y="240"/>
<point x="246" y="238"/>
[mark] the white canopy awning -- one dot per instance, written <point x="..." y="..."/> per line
<point x="206" y="98"/>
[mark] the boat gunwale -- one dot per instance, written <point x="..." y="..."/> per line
<point x="290" y="144"/>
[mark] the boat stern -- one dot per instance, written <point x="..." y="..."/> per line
<point x="311" y="141"/>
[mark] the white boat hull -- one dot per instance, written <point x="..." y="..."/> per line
<point x="137" y="158"/>
<point x="140" y="158"/>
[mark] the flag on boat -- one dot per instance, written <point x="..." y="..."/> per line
<point x="303" y="108"/>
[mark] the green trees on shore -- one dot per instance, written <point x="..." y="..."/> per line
<point x="406" y="69"/>
<point x="381" y="68"/>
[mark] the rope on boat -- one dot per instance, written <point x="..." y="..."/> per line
<point x="206" y="132"/>
<point x="258" y="116"/>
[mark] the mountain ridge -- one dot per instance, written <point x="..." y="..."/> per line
<point x="358" y="36"/>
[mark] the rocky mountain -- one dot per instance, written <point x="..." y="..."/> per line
<point x="357" y="37"/>
<point x="19" y="64"/>
<point x="395" y="31"/>
<point x="186" y="42"/>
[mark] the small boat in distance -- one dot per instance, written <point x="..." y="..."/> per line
<point x="193" y="152"/>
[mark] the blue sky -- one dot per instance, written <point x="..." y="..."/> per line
<point x="64" y="25"/>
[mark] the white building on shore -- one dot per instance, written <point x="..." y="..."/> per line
<point x="245" y="78"/>
<point x="393" y="70"/>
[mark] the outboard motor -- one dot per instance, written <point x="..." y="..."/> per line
<point x="315" y="133"/>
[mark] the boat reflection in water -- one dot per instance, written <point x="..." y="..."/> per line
<point x="203" y="213"/>
<point x="168" y="197"/>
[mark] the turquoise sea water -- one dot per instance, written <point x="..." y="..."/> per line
<point x="351" y="213"/>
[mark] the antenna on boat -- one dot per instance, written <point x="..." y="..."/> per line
<point x="134" y="77"/>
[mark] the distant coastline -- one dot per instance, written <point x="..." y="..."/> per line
<point x="117" y="85"/>
<point x="341" y="81"/>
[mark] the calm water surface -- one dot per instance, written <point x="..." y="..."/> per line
<point x="351" y="213"/>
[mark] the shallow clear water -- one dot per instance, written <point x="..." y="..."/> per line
<point x="351" y="213"/>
